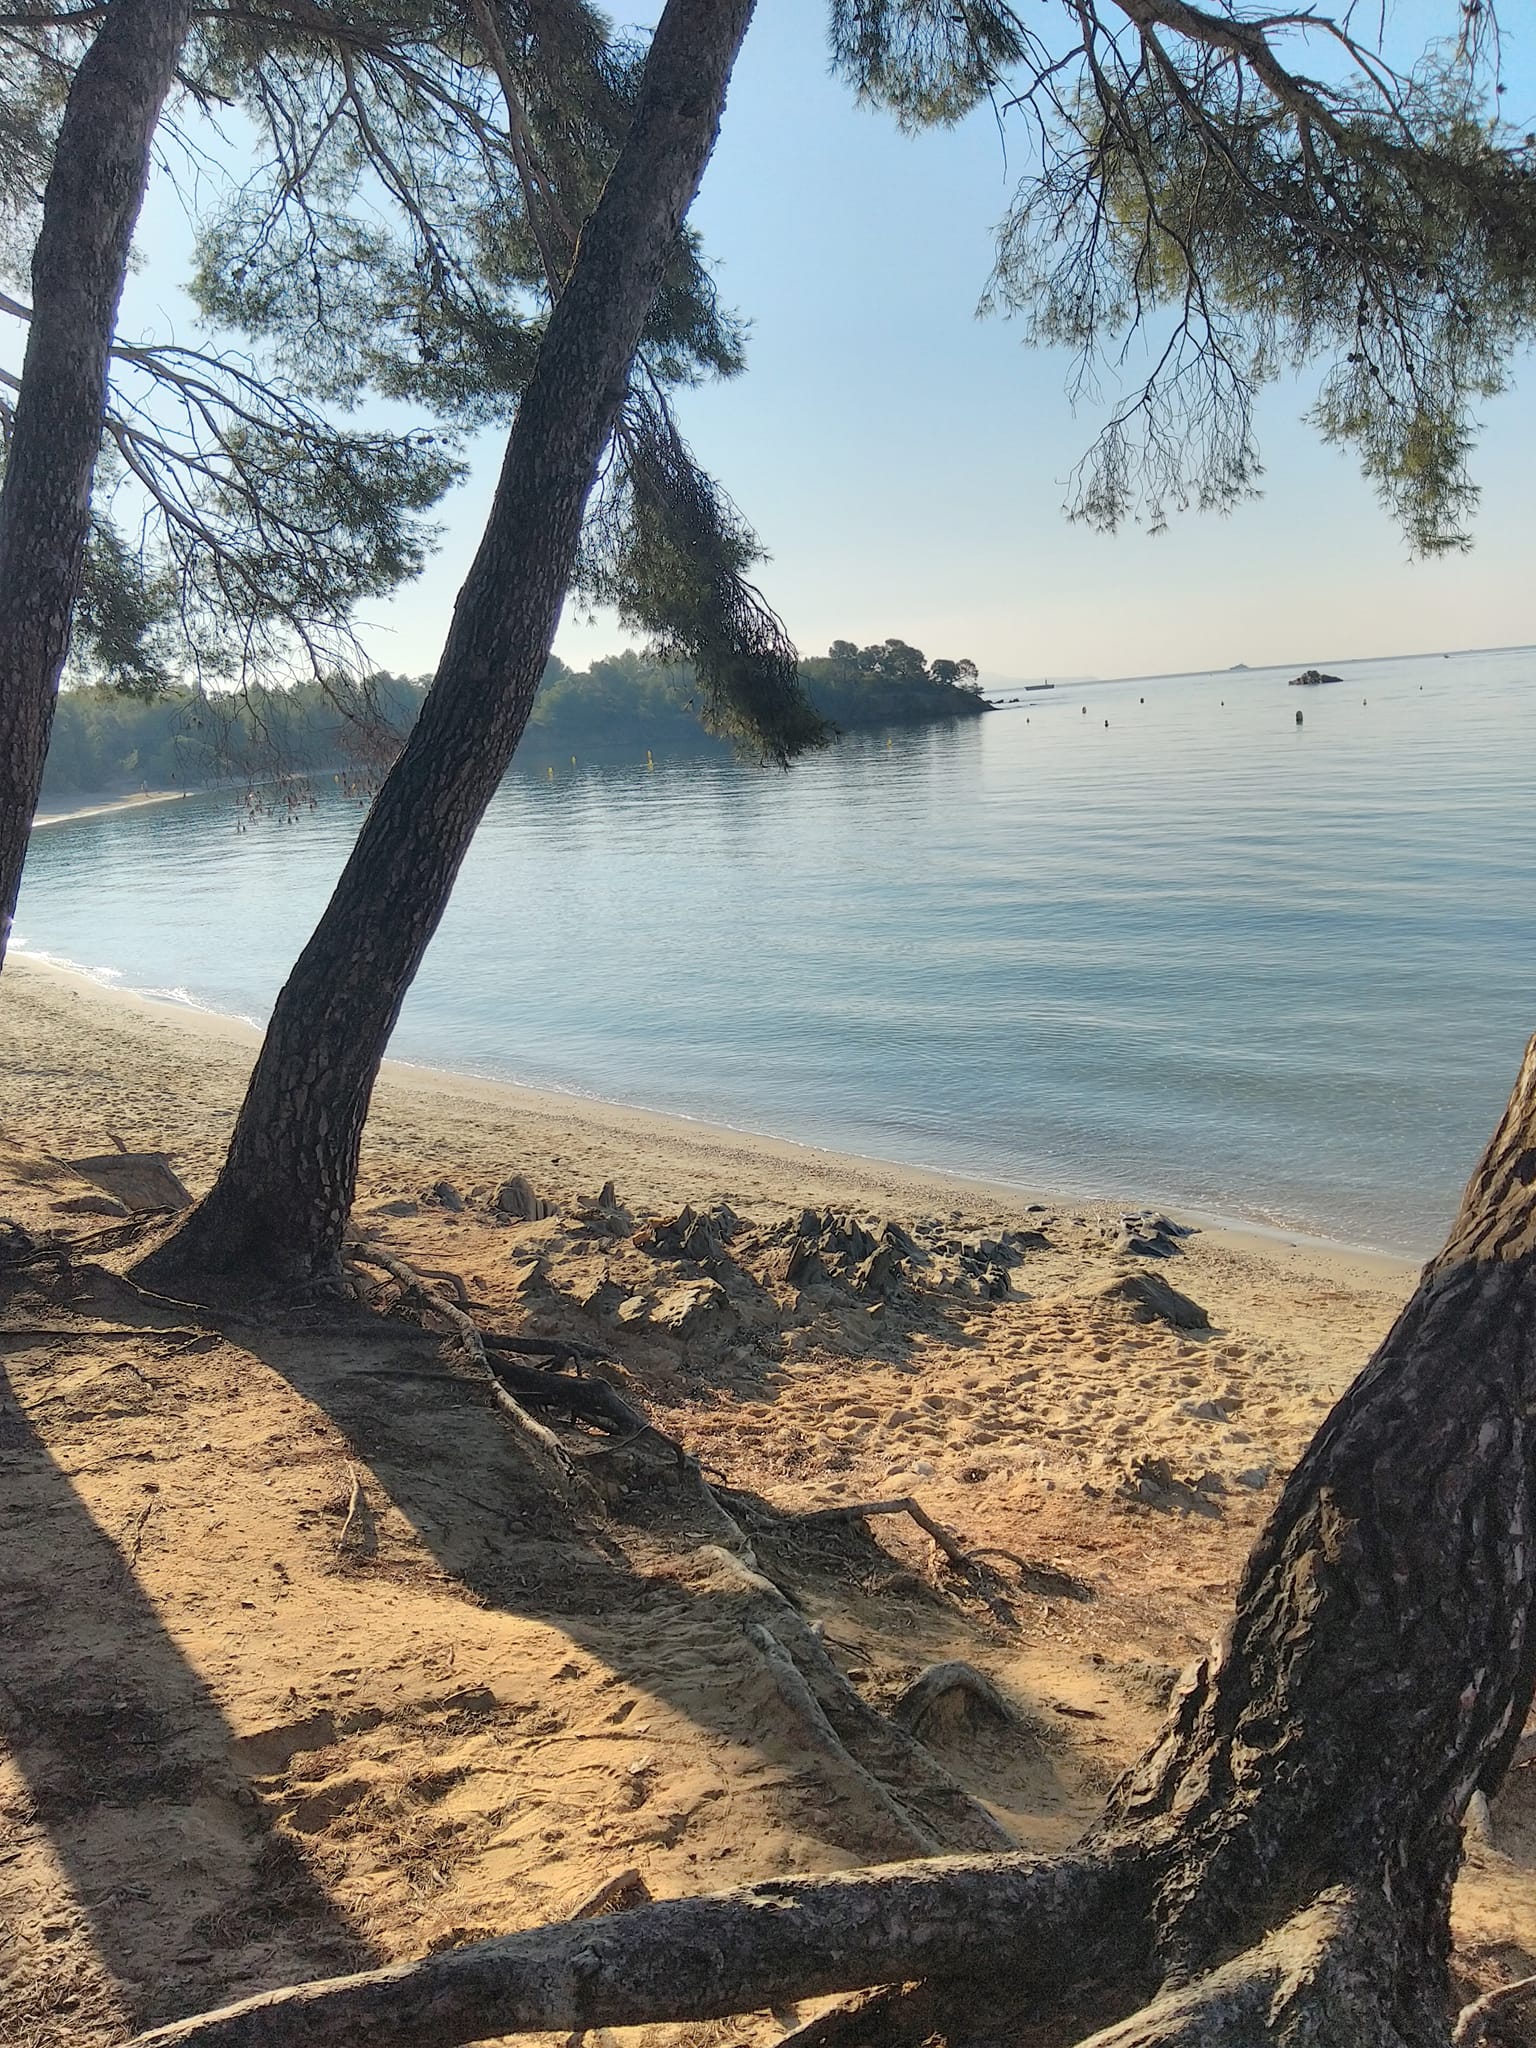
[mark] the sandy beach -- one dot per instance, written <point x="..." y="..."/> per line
<point x="496" y="1705"/>
<point x="100" y="806"/>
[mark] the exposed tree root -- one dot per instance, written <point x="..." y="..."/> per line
<point x="878" y="1748"/>
<point x="1283" y="1855"/>
<point x="1323" y="1980"/>
<point x="940" y="1683"/>
<point x="1039" y="1578"/>
<point x="546" y="1447"/>
<point x="1473" y="2020"/>
<point x="821" y="1735"/>
<point x="705" y="1958"/>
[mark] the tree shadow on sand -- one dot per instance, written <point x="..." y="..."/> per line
<point x="124" y="1760"/>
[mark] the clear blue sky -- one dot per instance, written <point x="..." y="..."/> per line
<point x="905" y="462"/>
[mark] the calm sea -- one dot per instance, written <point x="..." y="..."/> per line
<point x="1145" y="940"/>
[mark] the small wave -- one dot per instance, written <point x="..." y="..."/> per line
<point x="114" y="978"/>
<point x="105" y="977"/>
<point x="184" y="999"/>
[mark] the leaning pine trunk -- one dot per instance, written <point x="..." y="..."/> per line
<point x="90" y="208"/>
<point x="281" y="1201"/>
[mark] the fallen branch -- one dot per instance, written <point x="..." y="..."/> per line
<point x="359" y="1518"/>
<point x="706" y="1958"/>
<point x="859" y="1511"/>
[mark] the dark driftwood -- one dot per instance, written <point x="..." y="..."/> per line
<point x="565" y="1348"/>
<point x="589" y="1398"/>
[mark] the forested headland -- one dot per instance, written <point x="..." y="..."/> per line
<point x="105" y="739"/>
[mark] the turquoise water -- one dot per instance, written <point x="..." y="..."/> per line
<point x="1199" y="955"/>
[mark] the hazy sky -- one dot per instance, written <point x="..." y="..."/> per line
<point x="905" y="462"/>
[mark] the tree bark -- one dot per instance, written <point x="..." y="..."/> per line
<point x="90" y="208"/>
<point x="702" y="1958"/>
<point x="281" y="1200"/>
<point x="1282" y="1857"/>
<point x="1380" y="1663"/>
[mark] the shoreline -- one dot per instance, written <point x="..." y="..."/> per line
<point x="668" y="1154"/>
<point x="101" y="805"/>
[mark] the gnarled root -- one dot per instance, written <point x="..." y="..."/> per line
<point x="1325" y="1979"/>
<point x="707" y="1958"/>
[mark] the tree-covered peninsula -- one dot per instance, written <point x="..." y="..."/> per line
<point x="104" y="739"/>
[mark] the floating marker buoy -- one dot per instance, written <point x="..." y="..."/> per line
<point x="1299" y="718"/>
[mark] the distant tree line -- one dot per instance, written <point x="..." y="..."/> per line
<point x="104" y="739"/>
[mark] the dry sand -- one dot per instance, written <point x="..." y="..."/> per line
<point x="244" y="1750"/>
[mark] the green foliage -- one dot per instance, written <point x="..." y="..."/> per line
<point x="395" y="238"/>
<point x="669" y="550"/>
<point x="420" y="176"/>
<point x="34" y="78"/>
<point x="122" y="617"/>
<point x="1284" y="245"/>
<point x="929" y="64"/>
<point x="889" y="683"/>
<point x="104" y="739"/>
<point x="1230" y="195"/>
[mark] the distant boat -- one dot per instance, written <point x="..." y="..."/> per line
<point x="1039" y="686"/>
<point x="1310" y="678"/>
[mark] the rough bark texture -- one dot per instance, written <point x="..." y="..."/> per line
<point x="90" y="207"/>
<point x="1282" y="1858"/>
<point x="702" y="1958"/>
<point x="1316" y="1982"/>
<point x="281" y="1201"/>
<point x="1380" y="1663"/>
